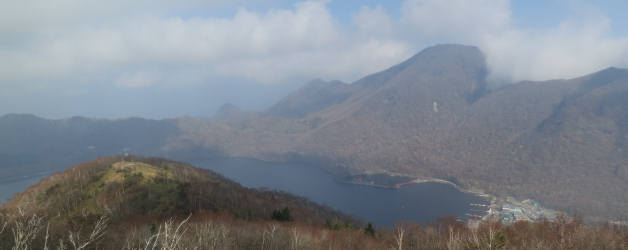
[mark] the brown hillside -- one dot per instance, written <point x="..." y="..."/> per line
<point x="561" y="142"/>
<point x="131" y="186"/>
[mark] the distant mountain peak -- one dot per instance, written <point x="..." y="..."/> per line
<point x="446" y="53"/>
<point x="231" y="112"/>
<point x="450" y="47"/>
<point x="611" y="73"/>
<point x="439" y="60"/>
<point x="15" y="116"/>
<point x="314" y="96"/>
<point x="435" y="57"/>
<point x="602" y="78"/>
<point x="229" y="105"/>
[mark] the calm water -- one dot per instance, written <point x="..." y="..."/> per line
<point x="8" y="187"/>
<point x="418" y="202"/>
<point x="422" y="202"/>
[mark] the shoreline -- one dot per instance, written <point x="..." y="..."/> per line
<point x="418" y="180"/>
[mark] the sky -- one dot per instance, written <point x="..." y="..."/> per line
<point x="161" y="59"/>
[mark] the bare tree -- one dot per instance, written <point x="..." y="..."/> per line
<point x="399" y="234"/>
<point x="47" y="236"/>
<point x="61" y="245"/>
<point x="97" y="233"/>
<point x="475" y="239"/>
<point x="168" y="236"/>
<point x="491" y="235"/>
<point x="4" y="225"/>
<point x="210" y="235"/>
<point x="25" y="229"/>
<point x="454" y="241"/>
<point x="270" y="231"/>
<point x="296" y="239"/>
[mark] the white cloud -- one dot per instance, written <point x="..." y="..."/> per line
<point x="271" y="47"/>
<point x="580" y="45"/>
<point x="571" y="49"/>
<point x="137" y="80"/>
<point x="145" y="43"/>
<point x="373" y="21"/>
<point x="455" y="20"/>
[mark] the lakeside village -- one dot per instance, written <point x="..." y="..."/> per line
<point x="510" y="210"/>
<point x="507" y="211"/>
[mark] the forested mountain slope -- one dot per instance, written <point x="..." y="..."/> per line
<point x="561" y="142"/>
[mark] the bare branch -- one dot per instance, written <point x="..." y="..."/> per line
<point x="26" y="229"/>
<point x="167" y="237"/>
<point x="97" y="233"/>
<point x="399" y="233"/>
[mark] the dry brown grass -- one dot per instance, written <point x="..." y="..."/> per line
<point x="220" y="231"/>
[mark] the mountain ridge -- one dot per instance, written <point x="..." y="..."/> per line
<point x="123" y="187"/>
<point x="557" y="141"/>
<point x="439" y="120"/>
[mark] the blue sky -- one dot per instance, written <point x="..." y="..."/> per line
<point x="544" y="13"/>
<point x="160" y="58"/>
<point x="528" y="13"/>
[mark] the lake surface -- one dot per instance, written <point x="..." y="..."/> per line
<point x="423" y="202"/>
<point x="384" y="207"/>
<point x="10" y="186"/>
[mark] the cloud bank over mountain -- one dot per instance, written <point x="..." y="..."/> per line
<point x="72" y="45"/>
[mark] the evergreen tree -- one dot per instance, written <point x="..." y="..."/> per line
<point x="370" y="230"/>
<point x="282" y="215"/>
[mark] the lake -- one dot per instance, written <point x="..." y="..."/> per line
<point x="423" y="202"/>
<point x="10" y="186"/>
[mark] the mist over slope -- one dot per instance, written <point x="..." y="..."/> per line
<point x="561" y="142"/>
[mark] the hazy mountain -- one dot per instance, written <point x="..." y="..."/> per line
<point x="230" y="112"/>
<point x="562" y="142"/>
<point x="30" y="144"/>
<point x="314" y="96"/>
<point x="558" y="141"/>
<point x="27" y="133"/>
